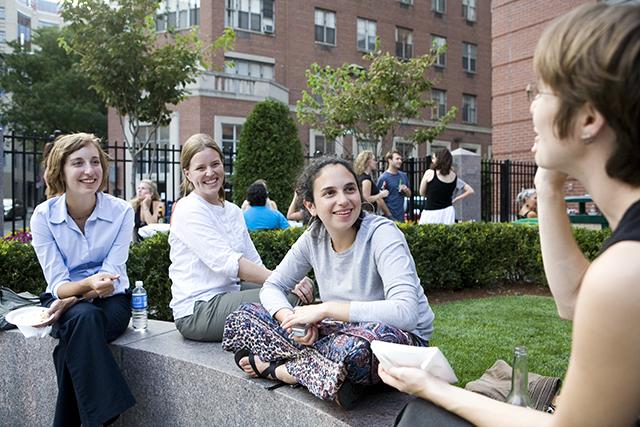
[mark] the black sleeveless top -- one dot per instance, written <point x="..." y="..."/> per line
<point x="374" y="188"/>
<point x="628" y="228"/>
<point x="439" y="193"/>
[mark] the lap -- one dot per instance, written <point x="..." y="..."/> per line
<point x="419" y="412"/>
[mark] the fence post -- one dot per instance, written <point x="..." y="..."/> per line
<point x="505" y="191"/>
<point x="411" y="175"/>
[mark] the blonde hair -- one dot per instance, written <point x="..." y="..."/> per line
<point x="591" y="55"/>
<point x="362" y="161"/>
<point x="155" y="196"/>
<point x="192" y="146"/>
<point x="62" y="148"/>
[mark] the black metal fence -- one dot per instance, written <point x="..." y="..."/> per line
<point x="501" y="181"/>
<point x="22" y="186"/>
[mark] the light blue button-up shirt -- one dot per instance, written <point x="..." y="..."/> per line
<point x="68" y="255"/>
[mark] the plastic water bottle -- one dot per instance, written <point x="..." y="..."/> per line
<point x="139" y="307"/>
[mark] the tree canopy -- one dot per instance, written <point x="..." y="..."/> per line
<point x="45" y="92"/>
<point x="134" y="69"/>
<point x="371" y="102"/>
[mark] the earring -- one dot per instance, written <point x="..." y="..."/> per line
<point x="587" y="138"/>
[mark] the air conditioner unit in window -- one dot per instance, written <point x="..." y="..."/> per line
<point x="409" y="2"/>
<point x="469" y="13"/>
<point x="267" y="28"/>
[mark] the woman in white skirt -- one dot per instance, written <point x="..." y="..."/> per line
<point x="438" y="185"/>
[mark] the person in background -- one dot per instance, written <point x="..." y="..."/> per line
<point x="297" y="211"/>
<point x="438" y="185"/>
<point x="395" y="182"/>
<point x="270" y="203"/>
<point x="147" y="205"/>
<point x="214" y="265"/>
<point x="365" y="166"/>
<point x="81" y="237"/>
<point x="586" y="118"/>
<point x="368" y="284"/>
<point x="258" y="216"/>
<point x="529" y="203"/>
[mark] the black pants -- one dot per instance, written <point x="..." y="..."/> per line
<point x="419" y="412"/>
<point x="91" y="389"/>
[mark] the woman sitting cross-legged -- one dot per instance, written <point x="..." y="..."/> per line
<point x="81" y="237"/>
<point x="214" y="265"/>
<point x="367" y="280"/>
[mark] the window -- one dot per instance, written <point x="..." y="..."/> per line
<point x="409" y="2"/>
<point x="469" y="10"/>
<point x="469" y="109"/>
<point x="24" y="30"/>
<point x="363" y="144"/>
<point x="178" y="14"/>
<point x="47" y="24"/>
<point x="469" y="57"/>
<point x="161" y="139"/>
<point x="440" y="107"/>
<point x="325" y="27"/>
<point x="243" y="67"/>
<point x="366" y="35"/>
<point x="230" y="140"/>
<point x="438" y="42"/>
<point x="438" y="6"/>
<point x="324" y="146"/>
<point x="404" y="43"/>
<point x="47" y="6"/>
<point x="2" y="14"/>
<point x="407" y="149"/>
<point x="251" y="15"/>
<point x="3" y="37"/>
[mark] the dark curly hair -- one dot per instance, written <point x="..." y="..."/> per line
<point x="304" y="187"/>
<point x="257" y="194"/>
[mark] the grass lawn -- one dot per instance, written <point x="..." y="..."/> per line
<point x="474" y="333"/>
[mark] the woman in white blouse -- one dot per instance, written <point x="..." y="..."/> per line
<point x="214" y="265"/>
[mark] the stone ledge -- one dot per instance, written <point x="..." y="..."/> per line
<point x="176" y="382"/>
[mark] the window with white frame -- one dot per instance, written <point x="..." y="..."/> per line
<point x="407" y="149"/>
<point x="242" y="67"/>
<point x="3" y="36"/>
<point x="230" y="140"/>
<point x="436" y="146"/>
<point x="438" y="6"/>
<point x="469" y="10"/>
<point x="366" y="39"/>
<point x="2" y="12"/>
<point x="469" y="57"/>
<point x="325" y="27"/>
<point x="178" y="14"/>
<point x="440" y="108"/>
<point x="24" y="30"/>
<point x="404" y="43"/>
<point x="251" y="15"/>
<point x="363" y="144"/>
<point x="323" y="146"/>
<point x="161" y="140"/>
<point x="438" y="42"/>
<point x="469" y="112"/>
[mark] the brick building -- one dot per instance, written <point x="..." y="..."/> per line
<point x="515" y="30"/>
<point x="278" y="40"/>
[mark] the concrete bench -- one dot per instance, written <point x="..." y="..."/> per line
<point x="176" y="382"/>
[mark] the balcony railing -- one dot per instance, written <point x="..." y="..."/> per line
<point x="222" y="85"/>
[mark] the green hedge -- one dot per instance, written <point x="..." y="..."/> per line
<point x="447" y="257"/>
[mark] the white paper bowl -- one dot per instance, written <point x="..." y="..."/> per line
<point x="24" y="318"/>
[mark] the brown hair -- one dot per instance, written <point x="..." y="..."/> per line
<point x="192" y="146"/>
<point x="390" y="154"/>
<point x="60" y="151"/>
<point x="592" y="55"/>
<point x="444" y="161"/>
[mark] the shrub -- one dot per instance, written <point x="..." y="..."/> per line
<point x="446" y="257"/>
<point x="269" y="149"/>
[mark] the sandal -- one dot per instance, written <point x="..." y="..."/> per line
<point x="268" y="374"/>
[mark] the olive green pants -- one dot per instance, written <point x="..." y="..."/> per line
<point x="207" y="321"/>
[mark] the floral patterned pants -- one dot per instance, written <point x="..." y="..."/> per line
<point x="341" y="352"/>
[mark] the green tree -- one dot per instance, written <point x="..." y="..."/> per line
<point x="45" y="91"/>
<point x="269" y="149"/>
<point x="133" y="69"/>
<point x="371" y="103"/>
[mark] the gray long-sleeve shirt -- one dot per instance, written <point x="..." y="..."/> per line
<point x="376" y="274"/>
